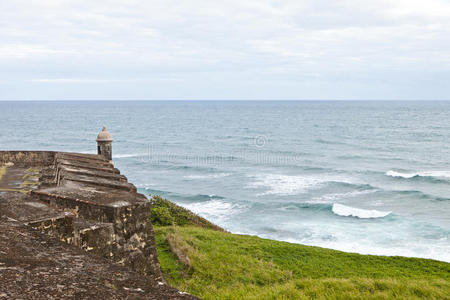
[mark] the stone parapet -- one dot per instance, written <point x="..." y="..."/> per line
<point x="94" y="190"/>
<point x="83" y="200"/>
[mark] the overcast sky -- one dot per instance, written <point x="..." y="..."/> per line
<point x="229" y="49"/>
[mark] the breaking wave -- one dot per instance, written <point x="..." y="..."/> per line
<point x="207" y="176"/>
<point x="284" y="184"/>
<point x="435" y="174"/>
<point x="128" y="155"/>
<point x="277" y="184"/>
<point x="215" y="210"/>
<point x="348" y="211"/>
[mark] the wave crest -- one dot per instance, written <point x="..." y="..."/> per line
<point x="348" y="211"/>
<point x="438" y="174"/>
<point x="277" y="184"/>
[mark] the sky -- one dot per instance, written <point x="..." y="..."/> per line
<point x="229" y="49"/>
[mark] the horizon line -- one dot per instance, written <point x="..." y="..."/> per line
<point x="223" y="100"/>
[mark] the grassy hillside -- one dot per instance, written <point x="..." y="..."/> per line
<point x="214" y="264"/>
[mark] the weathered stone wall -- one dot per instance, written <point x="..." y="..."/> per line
<point x="111" y="218"/>
<point x="27" y="158"/>
<point x="82" y="200"/>
<point x="36" y="266"/>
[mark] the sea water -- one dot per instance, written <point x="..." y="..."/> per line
<point x="359" y="176"/>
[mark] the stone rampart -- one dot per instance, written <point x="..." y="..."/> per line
<point x="82" y="200"/>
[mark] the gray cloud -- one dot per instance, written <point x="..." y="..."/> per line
<point x="232" y="49"/>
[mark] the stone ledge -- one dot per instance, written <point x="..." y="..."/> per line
<point x="101" y="174"/>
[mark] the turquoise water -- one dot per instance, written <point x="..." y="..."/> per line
<point x="366" y="177"/>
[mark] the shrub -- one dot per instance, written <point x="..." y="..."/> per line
<point x="161" y="216"/>
<point x="165" y="213"/>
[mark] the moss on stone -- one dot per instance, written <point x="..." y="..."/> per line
<point x="2" y="171"/>
<point x="14" y="190"/>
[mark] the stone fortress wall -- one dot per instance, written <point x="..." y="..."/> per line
<point x="83" y="200"/>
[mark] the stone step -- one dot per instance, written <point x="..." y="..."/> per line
<point x="100" y="163"/>
<point x="97" y="181"/>
<point x="81" y="155"/>
<point x="71" y="163"/>
<point x="101" y="174"/>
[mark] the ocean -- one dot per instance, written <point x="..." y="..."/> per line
<point x="370" y="177"/>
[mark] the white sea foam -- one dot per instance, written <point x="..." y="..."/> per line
<point x="434" y="250"/>
<point x="441" y="174"/>
<point x="215" y="210"/>
<point x="348" y="211"/>
<point x="127" y="155"/>
<point x="88" y="152"/>
<point x="207" y="176"/>
<point x="333" y="197"/>
<point x="284" y="184"/>
<point x="278" y="184"/>
<point x="358" y="238"/>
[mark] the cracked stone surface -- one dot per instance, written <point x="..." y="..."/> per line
<point x="35" y="266"/>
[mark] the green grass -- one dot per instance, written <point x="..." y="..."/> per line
<point x="214" y="264"/>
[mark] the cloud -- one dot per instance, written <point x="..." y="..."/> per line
<point x="225" y="49"/>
